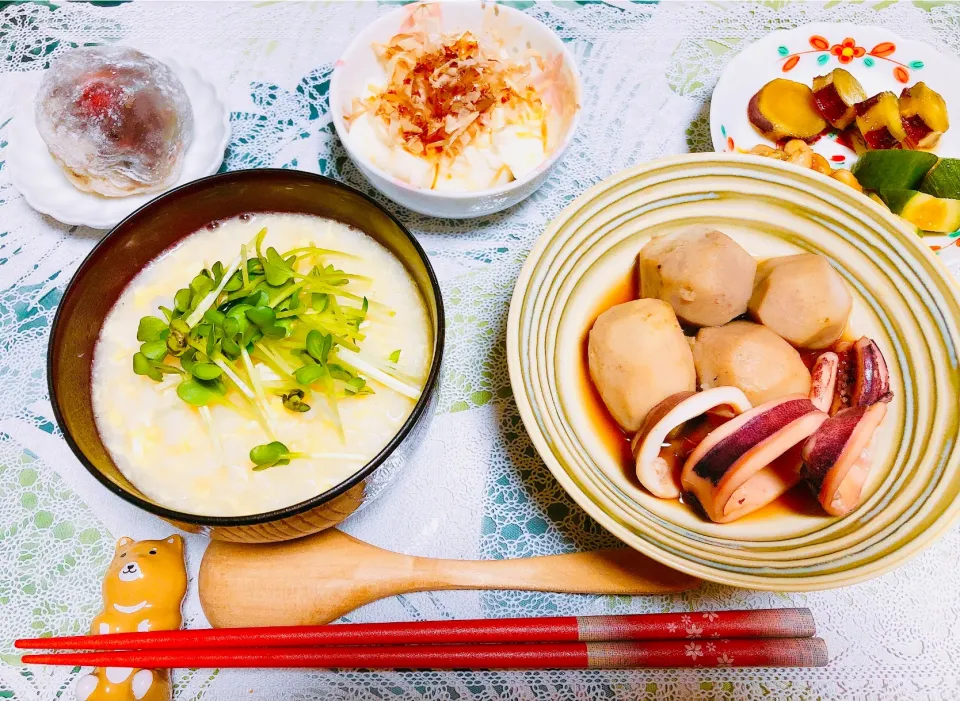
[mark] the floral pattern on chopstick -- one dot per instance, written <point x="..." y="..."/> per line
<point x="793" y="652"/>
<point x="846" y="52"/>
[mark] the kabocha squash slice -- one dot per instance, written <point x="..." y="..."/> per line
<point x="936" y="214"/>
<point x="943" y="179"/>
<point x="894" y="170"/>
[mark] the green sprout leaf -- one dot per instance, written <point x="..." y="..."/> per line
<point x="154" y="350"/>
<point x="214" y="336"/>
<point x="260" y="298"/>
<point x="276" y="269"/>
<point x="150" y="328"/>
<point x="265" y="319"/>
<point x="338" y="372"/>
<point x="202" y="285"/>
<point x="319" y="345"/>
<point x="238" y="313"/>
<point x="285" y="325"/>
<point x="230" y="348"/>
<point x="262" y="316"/>
<point x="333" y="276"/>
<point x="309" y="374"/>
<point x="206" y="371"/>
<point x="395" y="356"/>
<point x="319" y="302"/>
<point x="189" y="359"/>
<point x="215" y="317"/>
<point x="169" y="314"/>
<point x="232" y="325"/>
<point x="181" y="300"/>
<point x="234" y="283"/>
<point x="200" y="393"/>
<point x="143" y="366"/>
<point x="268" y="455"/>
<point x="356" y="385"/>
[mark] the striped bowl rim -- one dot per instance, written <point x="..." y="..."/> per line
<point x="905" y="299"/>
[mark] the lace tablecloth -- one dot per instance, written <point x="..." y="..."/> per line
<point x="648" y="71"/>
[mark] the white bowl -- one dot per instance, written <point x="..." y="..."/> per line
<point x="358" y="68"/>
<point x="46" y="188"/>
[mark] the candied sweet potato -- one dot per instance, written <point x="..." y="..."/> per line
<point x="923" y="113"/>
<point x="878" y="120"/>
<point x="836" y="95"/>
<point x="785" y="109"/>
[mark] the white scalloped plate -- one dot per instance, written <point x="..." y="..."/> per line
<point x="45" y="188"/>
<point x="880" y="59"/>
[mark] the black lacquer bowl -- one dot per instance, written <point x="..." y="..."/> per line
<point x="162" y="223"/>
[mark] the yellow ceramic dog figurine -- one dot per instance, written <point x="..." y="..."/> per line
<point x="142" y="591"/>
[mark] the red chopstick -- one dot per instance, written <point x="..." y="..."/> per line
<point x="761" y="623"/>
<point x="771" y="652"/>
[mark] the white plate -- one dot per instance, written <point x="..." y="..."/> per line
<point x="881" y="61"/>
<point x="45" y="188"/>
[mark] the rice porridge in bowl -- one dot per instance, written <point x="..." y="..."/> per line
<point x="274" y="355"/>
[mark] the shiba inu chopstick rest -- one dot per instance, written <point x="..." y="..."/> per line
<point x="142" y="591"/>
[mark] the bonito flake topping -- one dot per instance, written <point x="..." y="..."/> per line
<point x="445" y="91"/>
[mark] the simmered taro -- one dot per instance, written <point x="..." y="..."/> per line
<point x="803" y="299"/>
<point x="705" y="275"/>
<point x="117" y="121"/>
<point x="637" y="357"/>
<point x="752" y="358"/>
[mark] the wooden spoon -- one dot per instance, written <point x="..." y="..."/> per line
<point x="317" y="579"/>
